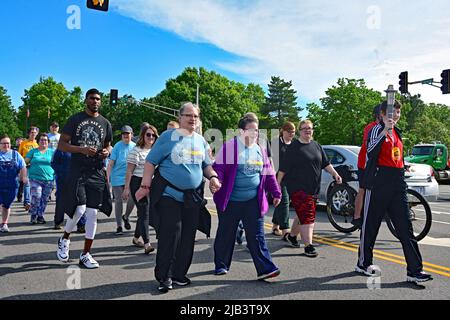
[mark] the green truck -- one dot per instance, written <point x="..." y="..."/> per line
<point x="435" y="155"/>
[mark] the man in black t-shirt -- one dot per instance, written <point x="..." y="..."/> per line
<point x="87" y="135"/>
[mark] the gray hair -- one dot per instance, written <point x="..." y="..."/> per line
<point x="188" y="104"/>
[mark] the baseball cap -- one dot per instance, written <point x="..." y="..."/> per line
<point x="126" y="129"/>
<point x="54" y="123"/>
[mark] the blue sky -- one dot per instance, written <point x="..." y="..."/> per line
<point x="139" y="44"/>
<point x="109" y="51"/>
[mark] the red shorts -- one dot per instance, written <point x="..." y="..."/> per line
<point x="305" y="207"/>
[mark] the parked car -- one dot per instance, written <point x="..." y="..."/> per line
<point x="418" y="177"/>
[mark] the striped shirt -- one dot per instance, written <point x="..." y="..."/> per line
<point x="137" y="157"/>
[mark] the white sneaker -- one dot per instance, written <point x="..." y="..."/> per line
<point x="88" y="261"/>
<point x="63" y="250"/>
<point x="4" y="228"/>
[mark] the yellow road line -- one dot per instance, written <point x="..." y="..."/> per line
<point x="430" y="267"/>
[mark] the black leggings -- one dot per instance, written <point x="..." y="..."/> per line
<point x="142" y="206"/>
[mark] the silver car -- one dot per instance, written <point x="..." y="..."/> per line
<point x="419" y="176"/>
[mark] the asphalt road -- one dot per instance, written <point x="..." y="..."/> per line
<point x="29" y="268"/>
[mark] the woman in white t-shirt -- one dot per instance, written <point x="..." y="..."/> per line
<point x="135" y="171"/>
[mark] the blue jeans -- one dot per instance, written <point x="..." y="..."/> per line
<point x="26" y="193"/>
<point x="40" y="191"/>
<point x="250" y="214"/>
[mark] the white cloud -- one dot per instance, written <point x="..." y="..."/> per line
<point x="313" y="43"/>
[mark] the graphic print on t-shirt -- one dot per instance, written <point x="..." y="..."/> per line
<point x="90" y="133"/>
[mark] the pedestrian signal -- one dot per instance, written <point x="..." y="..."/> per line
<point x="113" y="97"/>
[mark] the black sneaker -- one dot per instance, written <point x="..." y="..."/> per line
<point x="165" y="286"/>
<point x="57" y="227"/>
<point x="293" y="242"/>
<point x="184" y="282"/>
<point x="310" y="251"/>
<point x="420" y="277"/>
<point x="127" y="223"/>
<point x="119" y="231"/>
<point x="41" y="220"/>
<point x="81" y="229"/>
<point x="33" y="220"/>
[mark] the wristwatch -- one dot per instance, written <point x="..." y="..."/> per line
<point x="213" y="177"/>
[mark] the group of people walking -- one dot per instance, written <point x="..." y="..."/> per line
<point x="164" y="177"/>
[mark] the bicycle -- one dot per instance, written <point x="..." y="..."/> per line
<point x="341" y="207"/>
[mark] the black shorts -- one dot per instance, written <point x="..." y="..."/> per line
<point x="361" y="178"/>
<point x="89" y="187"/>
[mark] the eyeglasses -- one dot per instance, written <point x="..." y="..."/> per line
<point x="194" y="116"/>
<point x="149" y="135"/>
<point x="306" y="129"/>
<point x="43" y="140"/>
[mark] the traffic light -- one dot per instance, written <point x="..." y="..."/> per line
<point x="113" y="97"/>
<point x="403" y="82"/>
<point x="445" y="75"/>
<point x="101" y="5"/>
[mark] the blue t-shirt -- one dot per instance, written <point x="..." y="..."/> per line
<point x="248" y="176"/>
<point x="10" y="164"/>
<point x="119" y="154"/>
<point x="181" y="160"/>
<point x="40" y="165"/>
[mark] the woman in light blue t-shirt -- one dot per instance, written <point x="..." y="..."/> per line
<point x="41" y="177"/>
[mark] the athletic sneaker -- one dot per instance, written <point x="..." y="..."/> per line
<point x="165" y="286"/>
<point x="63" y="250"/>
<point x="272" y="274"/>
<point x="310" y="251"/>
<point x="372" y="270"/>
<point x="126" y="223"/>
<point x="183" y="282"/>
<point x="220" y="272"/>
<point x="81" y="229"/>
<point x="87" y="261"/>
<point x="4" y="228"/>
<point x="41" y="220"/>
<point x="292" y="241"/>
<point x="419" y="277"/>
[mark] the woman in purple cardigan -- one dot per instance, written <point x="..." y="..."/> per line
<point x="246" y="174"/>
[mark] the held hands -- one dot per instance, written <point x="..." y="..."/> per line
<point x="103" y="154"/>
<point x="276" y="202"/>
<point x="214" y="185"/>
<point x="89" y="151"/>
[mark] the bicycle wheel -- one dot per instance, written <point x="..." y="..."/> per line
<point x="419" y="213"/>
<point x="341" y="206"/>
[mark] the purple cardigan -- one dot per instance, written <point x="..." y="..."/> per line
<point x="226" y="165"/>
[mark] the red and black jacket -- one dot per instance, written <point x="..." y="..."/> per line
<point x="374" y="145"/>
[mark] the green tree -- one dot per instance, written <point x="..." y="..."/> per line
<point x="280" y="104"/>
<point x="8" y="117"/>
<point x="48" y="101"/>
<point x="222" y="101"/>
<point x="432" y="125"/>
<point x="346" y="110"/>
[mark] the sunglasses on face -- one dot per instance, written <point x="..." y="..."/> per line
<point x="149" y="135"/>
